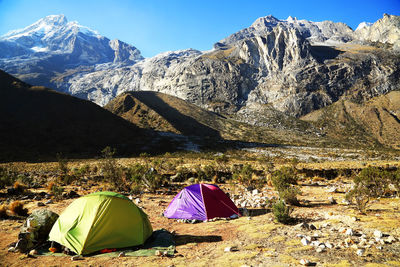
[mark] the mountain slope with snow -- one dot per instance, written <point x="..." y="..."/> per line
<point x="54" y="45"/>
<point x="295" y="66"/>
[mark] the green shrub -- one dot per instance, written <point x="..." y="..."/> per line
<point x="7" y="177"/>
<point x="371" y="182"/>
<point x="285" y="180"/>
<point x="112" y="172"/>
<point x="152" y="180"/>
<point x="282" y="212"/>
<point x="395" y="180"/>
<point x="374" y="180"/>
<point x="361" y="196"/>
<point x="243" y="174"/>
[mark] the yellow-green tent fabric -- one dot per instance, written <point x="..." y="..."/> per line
<point x="101" y="220"/>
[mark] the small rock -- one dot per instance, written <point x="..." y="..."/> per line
<point x="304" y="241"/>
<point x="157" y="253"/>
<point x="49" y="202"/>
<point x="355" y="219"/>
<point x="301" y="226"/>
<point x="360" y="252"/>
<point x="390" y="239"/>
<point x="331" y="189"/>
<point x="315" y="243"/>
<point x="379" y="247"/>
<point x="122" y="254"/>
<point x="40" y="204"/>
<point x="349" y="232"/>
<point x="305" y="262"/>
<point x="230" y="249"/>
<point x="328" y="245"/>
<point x="312" y="227"/>
<point x="378" y="234"/>
<point x="255" y="192"/>
<point x="342" y="230"/>
<point x="319" y="250"/>
<point x="33" y="252"/>
<point x="332" y="200"/>
<point x="137" y="201"/>
<point x="76" y="258"/>
<point x="12" y="249"/>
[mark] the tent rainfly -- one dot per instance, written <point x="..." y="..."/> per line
<point x="201" y="202"/>
<point x="101" y="220"/>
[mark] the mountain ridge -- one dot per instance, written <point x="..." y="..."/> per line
<point x="294" y="66"/>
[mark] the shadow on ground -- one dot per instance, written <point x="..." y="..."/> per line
<point x="185" y="239"/>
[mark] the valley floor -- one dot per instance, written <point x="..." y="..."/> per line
<point x="257" y="238"/>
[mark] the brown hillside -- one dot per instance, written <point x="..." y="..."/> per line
<point x="163" y="112"/>
<point x="375" y="121"/>
<point x="36" y="122"/>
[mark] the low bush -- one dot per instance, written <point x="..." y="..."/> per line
<point x="243" y="174"/>
<point x="285" y="180"/>
<point x="17" y="208"/>
<point x="371" y="182"/>
<point x="282" y="212"/>
<point x="395" y="180"/>
<point x="3" y="211"/>
<point x="111" y="171"/>
<point x="7" y="177"/>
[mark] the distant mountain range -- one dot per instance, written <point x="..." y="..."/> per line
<point x="274" y="74"/>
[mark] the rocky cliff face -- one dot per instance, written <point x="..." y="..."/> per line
<point x="293" y="66"/>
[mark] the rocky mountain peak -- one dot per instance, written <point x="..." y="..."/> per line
<point x="385" y="30"/>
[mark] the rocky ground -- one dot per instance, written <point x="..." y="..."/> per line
<point x="326" y="230"/>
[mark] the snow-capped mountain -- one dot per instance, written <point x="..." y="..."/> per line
<point x="55" y="44"/>
<point x="294" y="66"/>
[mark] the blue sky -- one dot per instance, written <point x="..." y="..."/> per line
<point x="156" y="26"/>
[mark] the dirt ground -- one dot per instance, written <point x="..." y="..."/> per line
<point x="258" y="239"/>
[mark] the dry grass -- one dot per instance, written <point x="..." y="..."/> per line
<point x="3" y="211"/>
<point x="17" y="208"/>
<point x="20" y="187"/>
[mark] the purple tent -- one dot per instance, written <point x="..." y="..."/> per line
<point x="201" y="202"/>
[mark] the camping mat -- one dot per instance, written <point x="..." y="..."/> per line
<point x="161" y="240"/>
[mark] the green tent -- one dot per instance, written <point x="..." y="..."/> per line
<point x="101" y="220"/>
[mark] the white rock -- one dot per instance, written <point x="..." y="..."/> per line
<point x="379" y="247"/>
<point x="255" y="192"/>
<point x="315" y="243"/>
<point x="360" y="252"/>
<point x="328" y="245"/>
<point x="319" y="250"/>
<point x="76" y="258"/>
<point x="378" y="234"/>
<point x="157" y="253"/>
<point x="230" y="249"/>
<point x="122" y="254"/>
<point x="305" y="262"/>
<point x="390" y="239"/>
<point x="304" y="241"/>
<point x="331" y="189"/>
<point x="349" y="232"/>
<point x="137" y="200"/>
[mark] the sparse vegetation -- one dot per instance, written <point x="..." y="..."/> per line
<point x="7" y="177"/>
<point x="282" y="212"/>
<point x="371" y="182"/>
<point x="17" y="208"/>
<point x="3" y="211"/>
<point x="285" y="180"/>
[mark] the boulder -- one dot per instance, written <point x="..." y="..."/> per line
<point x="36" y="229"/>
